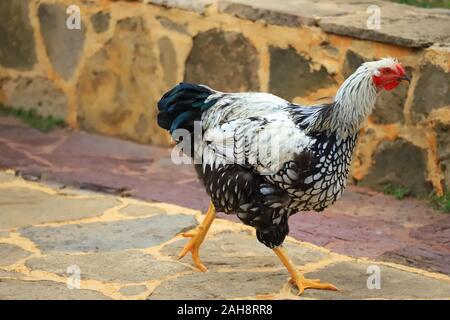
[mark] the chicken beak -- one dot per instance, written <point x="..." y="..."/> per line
<point x="405" y="77"/>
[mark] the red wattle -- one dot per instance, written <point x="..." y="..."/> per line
<point x="390" y="85"/>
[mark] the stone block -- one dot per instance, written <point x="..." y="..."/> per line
<point x="225" y="61"/>
<point x="17" y="46"/>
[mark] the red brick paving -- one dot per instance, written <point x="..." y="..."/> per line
<point x="363" y="223"/>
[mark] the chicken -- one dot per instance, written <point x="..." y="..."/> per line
<point x="264" y="159"/>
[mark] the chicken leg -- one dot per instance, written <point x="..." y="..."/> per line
<point x="297" y="277"/>
<point x="197" y="236"/>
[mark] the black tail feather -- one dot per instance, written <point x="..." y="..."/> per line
<point x="182" y="105"/>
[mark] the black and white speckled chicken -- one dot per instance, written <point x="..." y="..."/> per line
<point x="264" y="158"/>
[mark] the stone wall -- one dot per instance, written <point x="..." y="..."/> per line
<point x="107" y="76"/>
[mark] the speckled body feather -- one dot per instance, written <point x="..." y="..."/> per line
<point x="308" y="171"/>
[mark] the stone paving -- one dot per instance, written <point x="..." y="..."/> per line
<point x="362" y="224"/>
<point x="125" y="248"/>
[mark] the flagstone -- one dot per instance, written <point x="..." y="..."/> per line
<point x="109" y="236"/>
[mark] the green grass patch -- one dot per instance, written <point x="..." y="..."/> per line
<point x="441" y="203"/>
<point x="396" y="191"/>
<point x="32" y="118"/>
<point x="426" y="3"/>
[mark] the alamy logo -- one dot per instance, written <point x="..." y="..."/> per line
<point x="262" y="149"/>
<point x="73" y="21"/>
<point x="374" y="20"/>
<point x="74" y="279"/>
<point x="374" y="280"/>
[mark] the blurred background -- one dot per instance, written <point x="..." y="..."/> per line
<point x="86" y="177"/>
<point x="101" y="66"/>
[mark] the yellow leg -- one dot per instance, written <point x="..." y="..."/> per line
<point x="297" y="278"/>
<point x="198" y="235"/>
